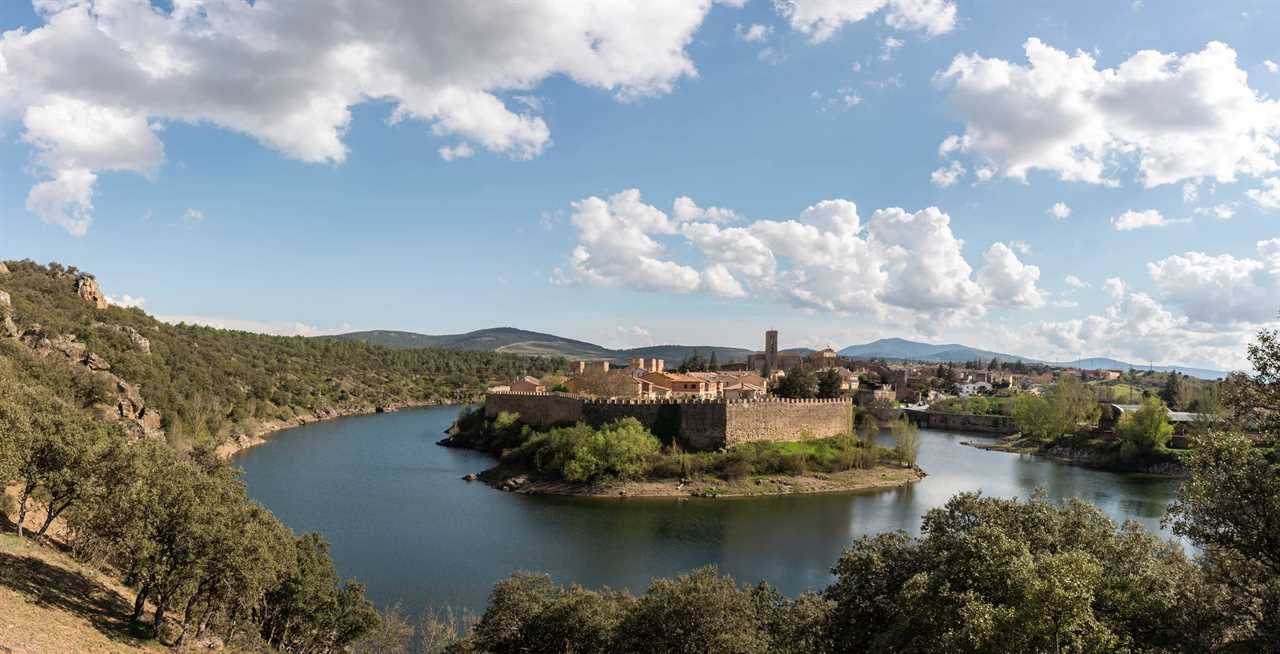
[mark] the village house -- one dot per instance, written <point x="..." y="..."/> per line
<point x="528" y="384"/>
<point x="681" y="385"/>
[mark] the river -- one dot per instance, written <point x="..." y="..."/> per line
<point x="399" y="518"/>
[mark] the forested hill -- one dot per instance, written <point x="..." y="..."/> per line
<point x="200" y="384"/>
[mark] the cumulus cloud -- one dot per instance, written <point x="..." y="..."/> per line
<point x="1060" y="211"/>
<point x="1008" y="281"/>
<point x="1268" y="196"/>
<point x="1075" y="282"/>
<point x="1271" y="66"/>
<point x="93" y="82"/>
<point x="822" y="19"/>
<point x="1114" y="286"/>
<point x="896" y="265"/>
<point x="1131" y="220"/>
<point x="686" y="210"/>
<point x="947" y="175"/>
<point x="1222" y="289"/>
<point x="1180" y="116"/>
<point x="193" y="216"/>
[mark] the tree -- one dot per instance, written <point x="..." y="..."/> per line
<point x="619" y="449"/>
<point x="997" y="575"/>
<point x="701" y="611"/>
<point x="1145" y="430"/>
<point x="798" y="383"/>
<point x="906" y="441"/>
<point x="830" y="383"/>
<point x="1174" y="393"/>
<point x="714" y="364"/>
<point x="1035" y="417"/>
<point x="1075" y="404"/>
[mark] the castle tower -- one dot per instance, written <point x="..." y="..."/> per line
<point x="771" y="349"/>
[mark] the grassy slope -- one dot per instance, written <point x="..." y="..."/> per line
<point x="51" y="603"/>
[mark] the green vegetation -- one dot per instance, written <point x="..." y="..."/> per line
<point x="906" y="441"/>
<point x="624" y="449"/>
<point x="1068" y="407"/>
<point x="1146" y="430"/>
<point x="978" y="405"/>
<point x="618" y="450"/>
<point x="798" y="383"/>
<point x="208" y="383"/>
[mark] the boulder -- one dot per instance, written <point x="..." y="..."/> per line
<point x="470" y="477"/>
<point x="90" y="292"/>
<point x="8" y="329"/>
<point x="95" y="362"/>
<point x="4" y="270"/>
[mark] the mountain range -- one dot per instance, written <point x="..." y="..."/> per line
<point x="520" y="341"/>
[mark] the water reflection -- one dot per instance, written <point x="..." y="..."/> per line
<point x="391" y="503"/>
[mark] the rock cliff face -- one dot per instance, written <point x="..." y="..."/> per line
<point x="140" y="342"/>
<point x="128" y="407"/>
<point x="7" y="327"/>
<point x="88" y="289"/>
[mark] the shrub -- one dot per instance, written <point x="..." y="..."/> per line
<point x="620" y="449"/>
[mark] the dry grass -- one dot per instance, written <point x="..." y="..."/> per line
<point x="49" y="603"/>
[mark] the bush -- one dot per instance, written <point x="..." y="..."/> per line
<point x="620" y="449"/>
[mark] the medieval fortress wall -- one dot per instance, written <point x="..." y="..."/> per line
<point x="701" y="424"/>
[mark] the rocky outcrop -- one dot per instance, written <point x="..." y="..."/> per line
<point x="129" y="409"/>
<point x="140" y="342"/>
<point x="89" y="291"/>
<point x="8" y="329"/>
<point x="4" y="270"/>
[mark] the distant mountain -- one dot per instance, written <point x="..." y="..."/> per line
<point x="902" y="349"/>
<point x="497" y="339"/>
<point x="520" y="341"/>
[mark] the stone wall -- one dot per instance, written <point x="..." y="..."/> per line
<point x="538" y="410"/>
<point x="698" y="424"/>
<point x="786" y="420"/>
<point x="962" y="422"/>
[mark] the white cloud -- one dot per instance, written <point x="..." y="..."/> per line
<point x="1272" y="67"/>
<point x="901" y="265"/>
<point x="753" y="33"/>
<point x="684" y="209"/>
<point x="1190" y="192"/>
<point x="633" y="336"/>
<point x="1221" y="211"/>
<point x="93" y="82"/>
<point x="1060" y="211"/>
<point x="1268" y="196"/>
<point x="947" y="175"/>
<point x="1075" y="282"/>
<point x="1114" y="287"/>
<point x="276" y="327"/>
<point x="1009" y="281"/>
<point x="127" y="301"/>
<point x="460" y="151"/>
<point x="1021" y="247"/>
<point x="889" y="46"/>
<point x="1222" y="289"/>
<point x="1131" y="220"/>
<point x="821" y="19"/>
<point x="1179" y="116"/>
<point x="193" y="216"/>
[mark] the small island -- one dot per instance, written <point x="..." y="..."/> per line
<point x="624" y="458"/>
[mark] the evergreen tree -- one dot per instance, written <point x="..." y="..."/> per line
<point x="714" y="364"/>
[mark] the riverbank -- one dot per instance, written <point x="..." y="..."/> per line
<point x="1088" y="452"/>
<point x="241" y="442"/>
<point x="879" y="477"/>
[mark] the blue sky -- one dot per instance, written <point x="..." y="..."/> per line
<point x="195" y="155"/>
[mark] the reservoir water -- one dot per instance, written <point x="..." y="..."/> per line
<point x="399" y="518"/>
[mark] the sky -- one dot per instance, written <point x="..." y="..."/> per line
<point x="1056" y="180"/>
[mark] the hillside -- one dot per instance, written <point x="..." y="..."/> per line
<point x="192" y="384"/>
<point x="511" y="340"/>
<point x="902" y="349"/>
<point x="51" y="603"/>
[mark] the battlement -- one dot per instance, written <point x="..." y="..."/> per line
<point x="696" y="422"/>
